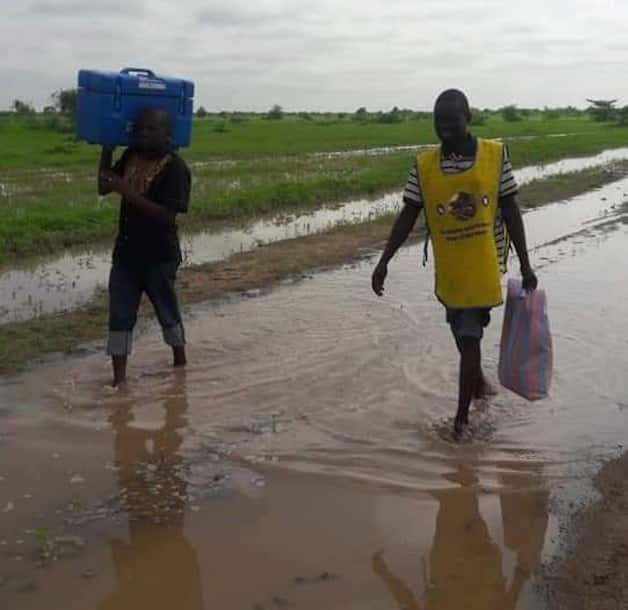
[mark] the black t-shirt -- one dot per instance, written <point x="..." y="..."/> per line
<point x="142" y="240"/>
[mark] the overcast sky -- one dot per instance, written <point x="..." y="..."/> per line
<point x="328" y="54"/>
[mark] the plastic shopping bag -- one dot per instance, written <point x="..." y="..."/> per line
<point x="526" y="357"/>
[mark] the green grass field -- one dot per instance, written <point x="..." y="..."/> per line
<point x="242" y="169"/>
<point x="30" y="143"/>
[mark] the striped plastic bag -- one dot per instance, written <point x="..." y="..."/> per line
<point x="526" y="357"/>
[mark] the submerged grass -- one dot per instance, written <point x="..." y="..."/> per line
<point x="22" y="342"/>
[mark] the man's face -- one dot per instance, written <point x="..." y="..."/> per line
<point x="450" y="123"/>
<point x="151" y="132"/>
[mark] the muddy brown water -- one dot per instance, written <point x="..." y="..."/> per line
<point x="303" y="460"/>
<point x="72" y="279"/>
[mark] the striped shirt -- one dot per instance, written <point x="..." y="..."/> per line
<point x="455" y="164"/>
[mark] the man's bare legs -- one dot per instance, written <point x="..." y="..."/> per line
<point x="119" y="370"/>
<point x="119" y="364"/>
<point x="483" y="389"/>
<point x="470" y="378"/>
<point x="179" y="358"/>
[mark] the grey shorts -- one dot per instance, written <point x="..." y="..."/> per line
<point x="468" y="322"/>
<point x="126" y="287"/>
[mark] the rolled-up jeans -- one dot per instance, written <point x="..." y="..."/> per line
<point x="126" y="286"/>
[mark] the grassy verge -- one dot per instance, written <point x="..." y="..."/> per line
<point x="43" y="213"/>
<point x="262" y="268"/>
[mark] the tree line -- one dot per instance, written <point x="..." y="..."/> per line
<point x="64" y="102"/>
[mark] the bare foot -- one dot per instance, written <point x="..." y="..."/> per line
<point x="119" y="370"/>
<point x="460" y="423"/>
<point x="180" y="359"/>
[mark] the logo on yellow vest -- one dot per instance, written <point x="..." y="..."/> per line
<point x="462" y="206"/>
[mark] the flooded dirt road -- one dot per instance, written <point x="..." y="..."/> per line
<point x="304" y="459"/>
<point x="72" y="280"/>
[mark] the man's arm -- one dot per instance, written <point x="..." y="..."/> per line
<point x="106" y="158"/>
<point x="401" y="229"/>
<point x="514" y="223"/>
<point x="144" y="205"/>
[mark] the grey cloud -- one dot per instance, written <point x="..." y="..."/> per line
<point x="77" y="9"/>
<point x="325" y="55"/>
<point x="245" y="15"/>
<point x="225" y="17"/>
<point x="218" y="17"/>
<point x="520" y="29"/>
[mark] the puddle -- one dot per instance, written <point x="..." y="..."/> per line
<point x="300" y="461"/>
<point x="72" y="280"/>
<point x="386" y="150"/>
<point x="572" y="164"/>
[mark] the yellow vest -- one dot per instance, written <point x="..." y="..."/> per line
<point x="465" y="253"/>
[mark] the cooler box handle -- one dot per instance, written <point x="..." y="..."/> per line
<point x="138" y="71"/>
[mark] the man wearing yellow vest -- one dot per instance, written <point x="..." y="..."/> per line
<point x="467" y="190"/>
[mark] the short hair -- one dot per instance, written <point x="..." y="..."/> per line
<point x="456" y="97"/>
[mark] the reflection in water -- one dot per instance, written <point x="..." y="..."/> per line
<point x="157" y="568"/>
<point x="465" y="564"/>
<point x="255" y="391"/>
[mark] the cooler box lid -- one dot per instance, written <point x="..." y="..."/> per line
<point x="135" y="81"/>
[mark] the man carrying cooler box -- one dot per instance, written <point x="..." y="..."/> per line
<point x="154" y="183"/>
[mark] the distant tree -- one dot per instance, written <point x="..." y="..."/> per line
<point x="275" y="113"/>
<point x="361" y="113"/>
<point x="20" y="107"/>
<point x="510" y="113"/>
<point x="551" y="113"/>
<point x="622" y="115"/>
<point x="201" y="113"/>
<point x="394" y="116"/>
<point x="306" y="116"/>
<point x="50" y="110"/>
<point x="65" y="101"/>
<point x="602" y="110"/>
<point x="478" y="117"/>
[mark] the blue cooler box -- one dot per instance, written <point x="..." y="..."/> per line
<point x="109" y="104"/>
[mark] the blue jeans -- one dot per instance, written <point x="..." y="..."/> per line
<point x="126" y="287"/>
